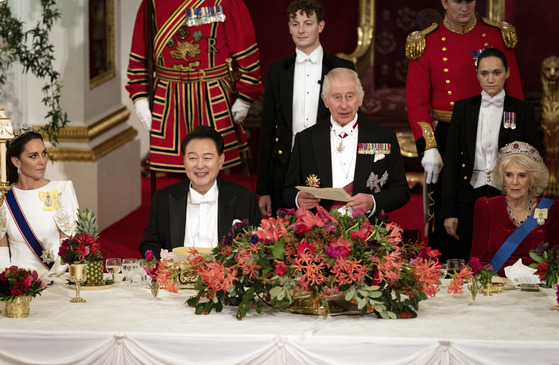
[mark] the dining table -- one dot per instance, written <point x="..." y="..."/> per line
<point x="125" y="324"/>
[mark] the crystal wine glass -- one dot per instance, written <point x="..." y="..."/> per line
<point x="113" y="266"/>
<point x="454" y="266"/>
<point x="128" y="268"/>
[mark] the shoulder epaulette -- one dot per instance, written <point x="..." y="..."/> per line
<point x="507" y="31"/>
<point x="415" y="43"/>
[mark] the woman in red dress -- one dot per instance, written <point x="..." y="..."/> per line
<point x="523" y="176"/>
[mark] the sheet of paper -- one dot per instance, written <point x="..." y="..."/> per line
<point x="327" y="193"/>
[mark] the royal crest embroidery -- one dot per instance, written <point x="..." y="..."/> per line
<point x="313" y="181"/>
<point x="185" y="49"/>
<point x="50" y="200"/>
<point x="374" y="183"/>
<point x="509" y="120"/>
<point x="373" y="148"/>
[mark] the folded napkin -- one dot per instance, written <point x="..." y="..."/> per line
<point x="520" y="274"/>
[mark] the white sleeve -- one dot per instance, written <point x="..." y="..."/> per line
<point x="3" y="219"/>
<point x="67" y="213"/>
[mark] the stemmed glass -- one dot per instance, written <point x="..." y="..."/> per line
<point x="128" y="268"/>
<point x="454" y="266"/>
<point x="113" y="266"/>
<point x="442" y="276"/>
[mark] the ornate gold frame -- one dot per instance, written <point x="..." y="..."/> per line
<point x="109" y="73"/>
<point x="87" y="134"/>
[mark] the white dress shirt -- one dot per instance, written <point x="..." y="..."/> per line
<point x="343" y="152"/>
<point x="201" y="218"/>
<point x="306" y="90"/>
<point x="487" y="139"/>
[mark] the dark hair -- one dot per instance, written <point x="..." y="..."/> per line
<point x="308" y="7"/>
<point x="203" y="132"/>
<point x="493" y="52"/>
<point x="15" y="149"/>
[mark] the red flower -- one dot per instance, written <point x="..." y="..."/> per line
<point x="305" y="248"/>
<point x="541" y="270"/>
<point x="280" y="267"/>
<point x="358" y="235"/>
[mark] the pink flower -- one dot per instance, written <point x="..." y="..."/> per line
<point x="339" y="247"/>
<point x="475" y="265"/>
<point x="27" y="282"/>
<point x="280" y="267"/>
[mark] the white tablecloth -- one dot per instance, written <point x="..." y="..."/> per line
<point x="124" y="325"/>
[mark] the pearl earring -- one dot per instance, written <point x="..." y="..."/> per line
<point x="18" y="171"/>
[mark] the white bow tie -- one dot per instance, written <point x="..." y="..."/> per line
<point x="305" y="58"/>
<point x="198" y="199"/>
<point x="498" y="100"/>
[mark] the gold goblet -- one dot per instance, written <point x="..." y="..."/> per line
<point x="78" y="274"/>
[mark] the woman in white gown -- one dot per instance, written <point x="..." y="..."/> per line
<point x="37" y="213"/>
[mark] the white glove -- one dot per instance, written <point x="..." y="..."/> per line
<point x="144" y="113"/>
<point x="432" y="164"/>
<point x="4" y="257"/>
<point x="239" y="111"/>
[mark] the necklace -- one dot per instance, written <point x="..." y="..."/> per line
<point x="511" y="215"/>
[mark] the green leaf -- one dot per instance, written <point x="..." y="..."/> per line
<point x="535" y="257"/>
<point x="278" y="250"/>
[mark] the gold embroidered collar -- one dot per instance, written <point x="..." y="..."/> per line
<point x="459" y="28"/>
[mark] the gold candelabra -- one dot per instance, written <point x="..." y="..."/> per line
<point x="6" y="134"/>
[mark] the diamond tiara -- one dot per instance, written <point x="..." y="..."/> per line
<point x="520" y="148"/>
<point x="25" y="128"/>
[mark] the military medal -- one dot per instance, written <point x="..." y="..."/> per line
<point x="509" y="120"/>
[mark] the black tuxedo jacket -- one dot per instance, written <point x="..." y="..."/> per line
<point x="461" y="142"/>
<point x="312" y="155"/>
<point x="277" y="120"/>
<point x="167" y="214"/>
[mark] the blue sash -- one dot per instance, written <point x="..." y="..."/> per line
<point x="24" y="228"/>
<point x="516" y="238"/>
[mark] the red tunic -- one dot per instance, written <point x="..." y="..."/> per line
<point x="446" y="71"/>
<point x="492" y="226"/>
<point x="193" y="86"/>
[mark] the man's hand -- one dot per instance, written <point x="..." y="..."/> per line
<point x="265" y="204"/>
<point x="362" y="201"/>
<point x="239" y="111"/>
<point x="307" y="200"/>
<point x="143" y="113"/>
<point x="432" y="163"/>
<point x="450" y="224"/>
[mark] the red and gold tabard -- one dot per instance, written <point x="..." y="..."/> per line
<point x="192" y="41"/>
<point x="446" y="72"/>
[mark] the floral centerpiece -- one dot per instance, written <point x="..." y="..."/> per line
<point x="17" y="287"/>
<point x="546" y="259"/>
<point x="79" y="249"/>
<point x="15" y="281"/>
<point x="476" y="274"/>
<point x="83" y="248"/>
<point x="320" y="255"/>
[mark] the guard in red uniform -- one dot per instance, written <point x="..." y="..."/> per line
<point x="196" y="44"/>
<point x="442" y="70"/>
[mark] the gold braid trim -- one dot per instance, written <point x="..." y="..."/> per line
<point x="415" y="43"/>
<point x="428" y="135"/>
<point x="507" y="31"/>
